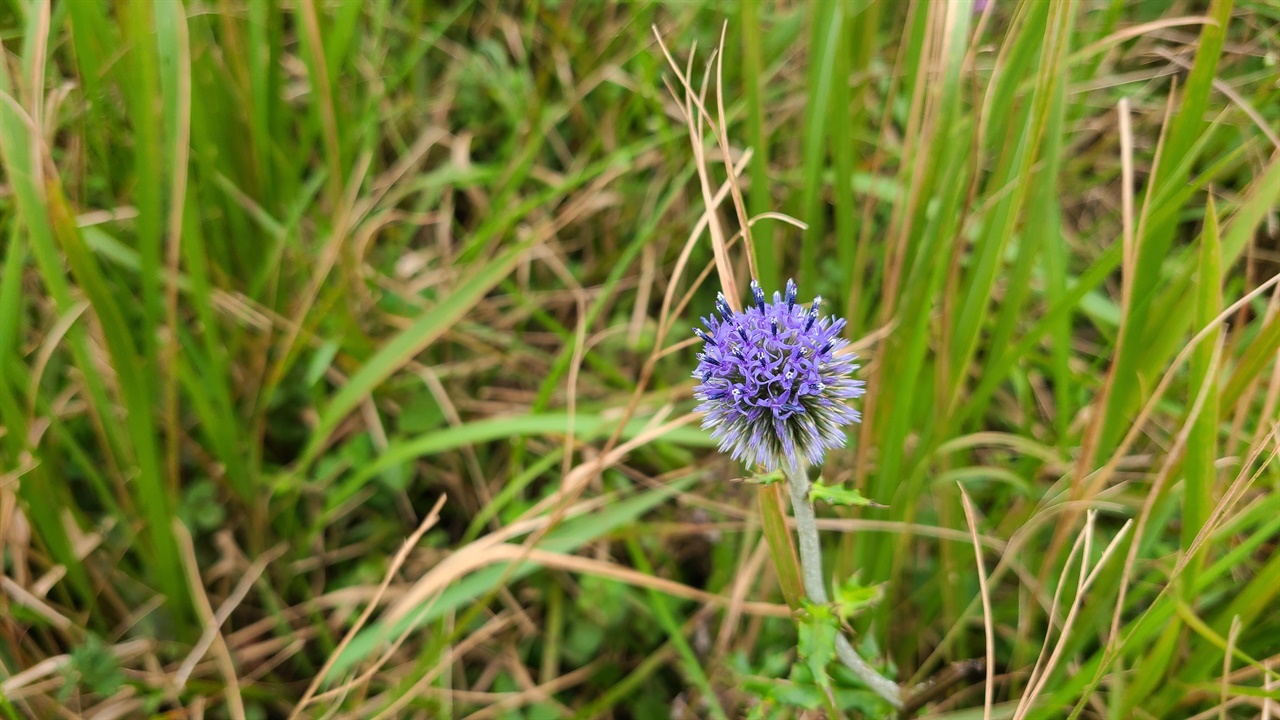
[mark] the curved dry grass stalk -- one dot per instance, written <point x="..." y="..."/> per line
<point x="411" y="542"/>
<point x="212" y="636"/>
<point x="988" y="623"/>
<point x="1172" y="458"/>
<point x="472" y="641"/>
<point x="462" y="563"/>
<point x="1087" y="574"/>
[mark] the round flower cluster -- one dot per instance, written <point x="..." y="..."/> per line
<point x="772" y="383"/>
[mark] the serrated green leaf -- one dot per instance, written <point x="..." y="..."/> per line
<point x="852" y="597"/>
<point x="817" y="642"/>
<point x="840" y="495"/>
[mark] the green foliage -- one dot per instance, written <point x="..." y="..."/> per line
<point x="92" y="668"/>
<point x="819" y="626"/>
<point x="852" y="597"/>
<point x="280" y="275"/>
<point x="200" y="508"/>
<point x="771" y="478"/>
<point x="840" y="495"/>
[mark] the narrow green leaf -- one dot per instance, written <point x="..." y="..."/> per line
<point x="760" y="194"/>
<point x="1202" y="442"/>
<point x="675" y="633"/>
<point x="828" y="18"/>
<point x="776" y="476"/>
<point x="1153" y="247"/>
<point x="781" y="545"/>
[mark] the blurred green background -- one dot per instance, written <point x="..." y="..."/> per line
<point x="280" y="276"/>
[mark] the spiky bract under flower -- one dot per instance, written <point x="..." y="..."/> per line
<point x="772" y="383"/>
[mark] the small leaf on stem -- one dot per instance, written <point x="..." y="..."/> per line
<point x="817" y="642"/>
<point x="839" y="495"/>
<point x="852" y="597"/>
<point x="770" y="478"/>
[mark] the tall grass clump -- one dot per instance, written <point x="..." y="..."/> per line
<point x="345" y="356"/>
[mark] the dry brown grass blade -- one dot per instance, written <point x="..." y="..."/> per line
<point x="47" y="348"/>
<point x="1093" y="432"/>
<point x="226" y="666"/>
<point x="1042" y="671"/>
<point x="1128" y="237"/>
<point x="580" y="475"/>
<point x="895" y="236"/>
<point x="472" y="641"/>
<point x="427" y="139"/>
<point x="31" y="602"/>
<point x="460" y="564"/>
<point x="1053" y="613"/>
<point x="1234" y="493"/>
<point x="1139" y="423"/>
<point x="328" y="255"/>
<point x="1135" y="31"/>
<point x="694" y="122"/>
<point x="919" y="133"/>
<point x="376" y="667"/>
<point x="1232" y="635"/>
<point x="575" y="366"/>
<point x="722" y="138"/>
<point x="534" y="694"/>
<point x="1097" y="480"/>
<point x="749" y="566"/>
<point x="34" y="90"/>
<point x="1269" y="683"/>
<point x="476" y="553"/>
<point x="988" y="622"/>
<point x="1246" y="401"/>
<point x="1171" y="460"/>
<point x="665" y="317"/>
<point x="1221" y="86"/>
<point x="212" y="632"/>
<point x="411" y="542"/>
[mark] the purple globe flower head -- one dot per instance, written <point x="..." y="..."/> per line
<point x="772" y="383"/>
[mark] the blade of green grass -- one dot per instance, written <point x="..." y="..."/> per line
<point x="1202" y="444"/>
<point x="760" y="194"/>
<point x="1153" y="246"/>
<point x="824" y="46"/>
<point x="675" y="633"/>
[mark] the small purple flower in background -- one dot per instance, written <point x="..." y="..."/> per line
<point x="771" y="383"/>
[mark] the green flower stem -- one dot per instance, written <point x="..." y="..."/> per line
<point x="811" y="574"/>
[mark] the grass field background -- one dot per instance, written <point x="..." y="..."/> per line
<point x="288" y="284"/>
